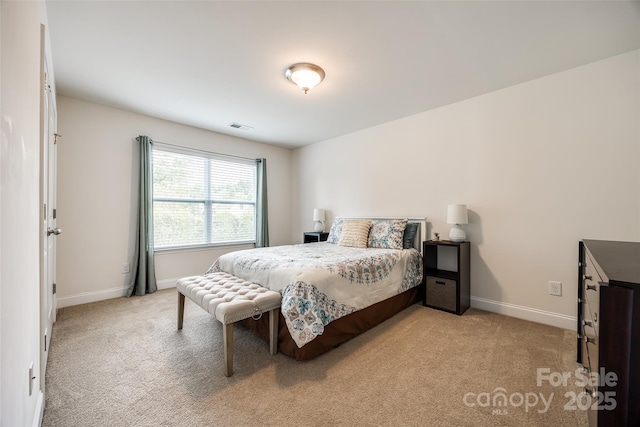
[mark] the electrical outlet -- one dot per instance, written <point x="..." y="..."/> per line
<point x="555" y="288"/>
<point x="125" y="268"/>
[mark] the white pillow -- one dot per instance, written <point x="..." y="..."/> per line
<point x="387" y="234"/>
<point x="355" y="233"/>
<point x="335" y="231"/>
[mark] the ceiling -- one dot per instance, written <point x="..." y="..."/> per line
<point x="211" y="63"/>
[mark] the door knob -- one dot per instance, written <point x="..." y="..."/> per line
<point x="54" y="231"/>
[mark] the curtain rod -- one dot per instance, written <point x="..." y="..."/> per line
<point x="199" y="150"/>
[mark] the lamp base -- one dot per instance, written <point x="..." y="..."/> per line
<point x="457" y="234"/>
<point x="319" y="226"/>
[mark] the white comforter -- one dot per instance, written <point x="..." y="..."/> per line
<point x="321" y="282"/>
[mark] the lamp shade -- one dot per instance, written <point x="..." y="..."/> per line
<point x="457" y="214"/>
<point x="318" y="218"/>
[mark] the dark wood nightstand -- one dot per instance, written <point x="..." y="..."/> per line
<point x="315" y="236"/>
<point x="447" y="271"/>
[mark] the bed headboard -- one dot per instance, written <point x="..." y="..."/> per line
<point x="421" y="233"/>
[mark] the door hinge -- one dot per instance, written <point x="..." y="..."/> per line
<point x="45" y="212"/>
<point x="55" y="137"/>
<point x="45" y="342"/>
<point x="55" y="214"/>
<point x="54" y="288"/>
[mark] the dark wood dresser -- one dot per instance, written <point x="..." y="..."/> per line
<point x="609" y="330"/>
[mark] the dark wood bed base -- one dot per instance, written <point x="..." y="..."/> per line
<point x="338" y="331"/>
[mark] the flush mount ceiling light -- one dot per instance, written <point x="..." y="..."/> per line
<point x="305" y="75"/>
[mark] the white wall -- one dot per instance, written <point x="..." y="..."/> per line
<point x="19" y="211"/>
<point x="96" y="178"/>
<point x="540" y="165"/>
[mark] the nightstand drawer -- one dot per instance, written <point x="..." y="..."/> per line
<point x="442" y="293"/>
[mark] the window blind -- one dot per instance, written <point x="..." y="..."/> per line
<point x="202" y="198"/>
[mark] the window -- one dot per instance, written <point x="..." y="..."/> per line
<point x="201" y="198"/>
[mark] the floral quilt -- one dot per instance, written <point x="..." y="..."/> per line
<point x="322" y="282"/>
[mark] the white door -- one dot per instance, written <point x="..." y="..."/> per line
<point x="52" y="230"/>
<point x="48" y="225"/>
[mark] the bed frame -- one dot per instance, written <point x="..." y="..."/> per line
<point x="351" y="325"/>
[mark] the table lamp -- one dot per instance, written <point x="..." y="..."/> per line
<point x="319" y="218"/>
<point x="457" y="215"/>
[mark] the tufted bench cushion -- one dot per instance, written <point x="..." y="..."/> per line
<point x="230" y="299"/>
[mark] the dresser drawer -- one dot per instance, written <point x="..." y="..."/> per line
<point x="590" y="349"/>
<point x="589" y="308"/>
<point x="583" y="352"/>
<point x="591" y="283"/>
<point x="441" y="293"/>
<point x="592" y="303"/>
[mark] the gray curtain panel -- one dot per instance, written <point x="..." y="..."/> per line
<point x="143" y="275"/>
<point x="262" y="216"/>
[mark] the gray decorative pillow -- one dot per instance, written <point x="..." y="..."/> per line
<point x="409" y="235"/>
<point x="387" y="234"/>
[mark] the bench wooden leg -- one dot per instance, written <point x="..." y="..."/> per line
<point x="180" y="309"/>
<point x="227" y="337"/>
<point x="273" y="330"/>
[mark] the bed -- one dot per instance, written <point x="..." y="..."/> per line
<point x="368" y="270"/>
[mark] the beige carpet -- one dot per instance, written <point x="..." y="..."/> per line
<point x="122" y="363"/>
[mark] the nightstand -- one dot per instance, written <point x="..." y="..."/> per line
<point x="447" y="271"/>
<point x="315" y="236"/>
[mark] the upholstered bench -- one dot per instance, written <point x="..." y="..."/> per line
<point x="230" y="299"/>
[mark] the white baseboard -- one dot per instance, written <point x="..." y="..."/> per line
<point x="87" y="297"/>
<point x="167" y="283"/>
<point x="527" y="313"/>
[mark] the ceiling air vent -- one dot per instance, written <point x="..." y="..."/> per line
<point x="239" y="126"/>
